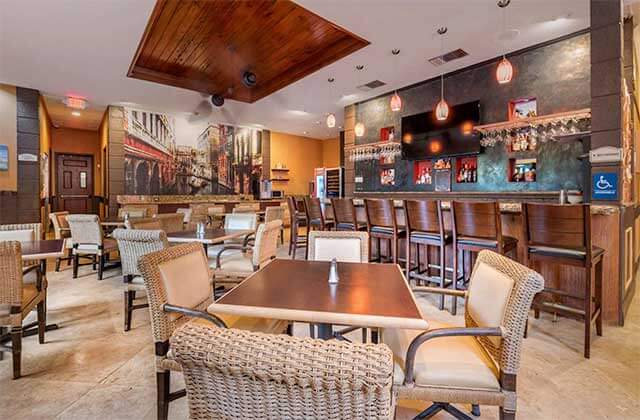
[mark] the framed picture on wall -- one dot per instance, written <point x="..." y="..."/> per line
<point x="523" y="108"/>
<point x="388" y="176"/>
<point x="4" y="157"/>
<point x="387" y="133"/>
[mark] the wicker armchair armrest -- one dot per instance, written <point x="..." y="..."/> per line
<point x="439" y="333"/>
<point x="39" y="275"/>
<point x="440" y="290"/>
<point x="242" y="248"/>
<point x="194" y="314"/>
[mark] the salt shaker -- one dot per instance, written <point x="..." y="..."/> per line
<point x="333" y="272"/>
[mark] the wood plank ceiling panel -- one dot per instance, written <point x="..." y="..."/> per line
<point x="207" y="46"/>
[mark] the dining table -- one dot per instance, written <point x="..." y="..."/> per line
<point x="366" y="295"/>
<point x="39" y="250"/>
<point x="209" y="237"/>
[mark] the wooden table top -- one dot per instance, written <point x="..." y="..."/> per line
<point x="211" y="236"/>
<point x="49" y="248"/>
<point x="368" y="295"/>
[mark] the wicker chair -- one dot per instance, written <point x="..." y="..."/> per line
<point x="344" y="246"/>
<point x="174" y="298"/>
<point x="275" y="213"/>
<point x="22" y="232"/>
<point x="146" y="223"/>
<point x="17" y="299"/>
<point x="88" y="240"/>
<point x="233" y="374"/>
<point x="171" y="222"/>
<point x="478" y="363"/>
<point x="242" y="260"/>
<point x="132" y="245"/>
<point x="186" y="214"/>
<point x="61" y="231"/>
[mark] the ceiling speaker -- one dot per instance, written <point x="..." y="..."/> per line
<point x="249" y="79"/>
<point x="217" y="100"/>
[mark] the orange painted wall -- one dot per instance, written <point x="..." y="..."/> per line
<point x="301" y="155"/>
<point x="331" y="153"/>
<point x="9" y="136"/>
<point x="86" y="142"/>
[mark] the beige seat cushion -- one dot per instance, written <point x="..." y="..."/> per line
<point x="22" y="235"/>
<point x="234" y="261"/>
<point x="450" y="362"/>
<point x="342" y="249"/>
<point x="186" y="280"/>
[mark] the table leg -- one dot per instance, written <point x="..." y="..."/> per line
<point x="32" y="329"/>
<point x="325" y="331"/>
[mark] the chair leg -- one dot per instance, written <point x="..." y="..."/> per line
<point x="432" y="410"/>
<point x="163" y="380"/>
<point x="69" y="257"/>
<point x="93" y="262"/>
<point x="312" y="331"/>
<point x="587" y="314"/>
<point x="475" y="410"/>
<point x="76" y="262"/>
<point x="407" y="263"/>
<point x="599" y="298"/>
<point x="129" y="296"/>
<point x="16" y="350"/>
<point x="42" y="320"/>
<point x="100" y="266"/>
<point x="507" y="415"/>
<point x="443" y="273"/>
<point x="58" y="264"/>
<point x="454" y="282"/>
<point x="395" y="241"/>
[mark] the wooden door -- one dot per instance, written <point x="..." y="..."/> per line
<point x="74" y="182"/>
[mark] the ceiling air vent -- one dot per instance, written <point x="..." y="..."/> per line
<point x="371" y="85"/>
<point x="450" y="56"/>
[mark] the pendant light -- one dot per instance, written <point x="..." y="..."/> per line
<point x="396" y="102"/>
<point x="359" y="127"/>
<point x="331" y="118"/>
<point x="504" y="72"/>
<point x="442" y="108"/>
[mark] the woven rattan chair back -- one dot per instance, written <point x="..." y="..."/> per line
<point x="344" y="246"/>
<point x="22" y="232"/>
<point x="171" y="222"/>
<point x="138" y="210"/>
<point x="237" y="374"/>
<point x="505" y="351"/>
<point x="59" y="222"/>
<point x="424" y="216"/>
<point x="85" y="229"/>
<point x="147" y="223"/>
<point x="274" y="213"/>
<point x="149" y="265"/>
<point x="242" y="221"/>
<point x="266" y="245"/>
<point x="11" y="279"/>
<point x="133" y="244"/>
<point x="186" y="214"/>
<point x="344" y="212"/>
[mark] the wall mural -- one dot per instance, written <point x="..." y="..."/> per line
<point x="166" y="154"/>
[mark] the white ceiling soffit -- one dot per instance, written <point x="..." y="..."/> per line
<point x="85" y="48"/>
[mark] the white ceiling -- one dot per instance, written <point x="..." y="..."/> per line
<point x="62" y="116"/>
<point x="84" y="47"/>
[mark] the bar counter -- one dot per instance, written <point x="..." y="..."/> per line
<point x="605" y="233"/>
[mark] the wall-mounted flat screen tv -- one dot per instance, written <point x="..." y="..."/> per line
<point x="424" y="137"/>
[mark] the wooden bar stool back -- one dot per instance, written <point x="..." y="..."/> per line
<point x="477" y="226"/>
<point x="296" y="220"/>
<point x="344" y="213"/>
<point x="425" y="228"/>
<point x="315" y="216"/>
<point x="382" y="224"/>
<point x="561" y="234"/>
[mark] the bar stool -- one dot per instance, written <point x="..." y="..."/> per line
<point x="382" y="224"/>
<point x="315" y="216"/>
<point x="425" y="227"/>
<point x="344" y="213"/>
<point x="477" y="226"/>
<point x="297" y="219"/>
<point x="561" y="234"/>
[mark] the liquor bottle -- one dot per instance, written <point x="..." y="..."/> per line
<point x="475" y="174"/>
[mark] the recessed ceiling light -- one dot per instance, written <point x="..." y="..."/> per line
<point x="305" y="132"/>
<point x="317" y="122"/>
<point x="298" y="112"/>
<point x="75" y="113"/>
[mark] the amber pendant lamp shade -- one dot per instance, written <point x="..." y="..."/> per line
<point x="396" y="102"/>
<point x="359" y="129"/>
<point x="442" y="110"/>
<point x="504" y="72"/>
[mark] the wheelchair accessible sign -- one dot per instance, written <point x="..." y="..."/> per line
<point x="604" y="186"/>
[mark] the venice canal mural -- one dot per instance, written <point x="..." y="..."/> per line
<point x="166" y="154"/>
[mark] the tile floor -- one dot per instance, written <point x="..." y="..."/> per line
<point x="90" y="368"/>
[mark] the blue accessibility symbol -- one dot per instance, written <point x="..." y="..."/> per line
<point x="605" y="186"/>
